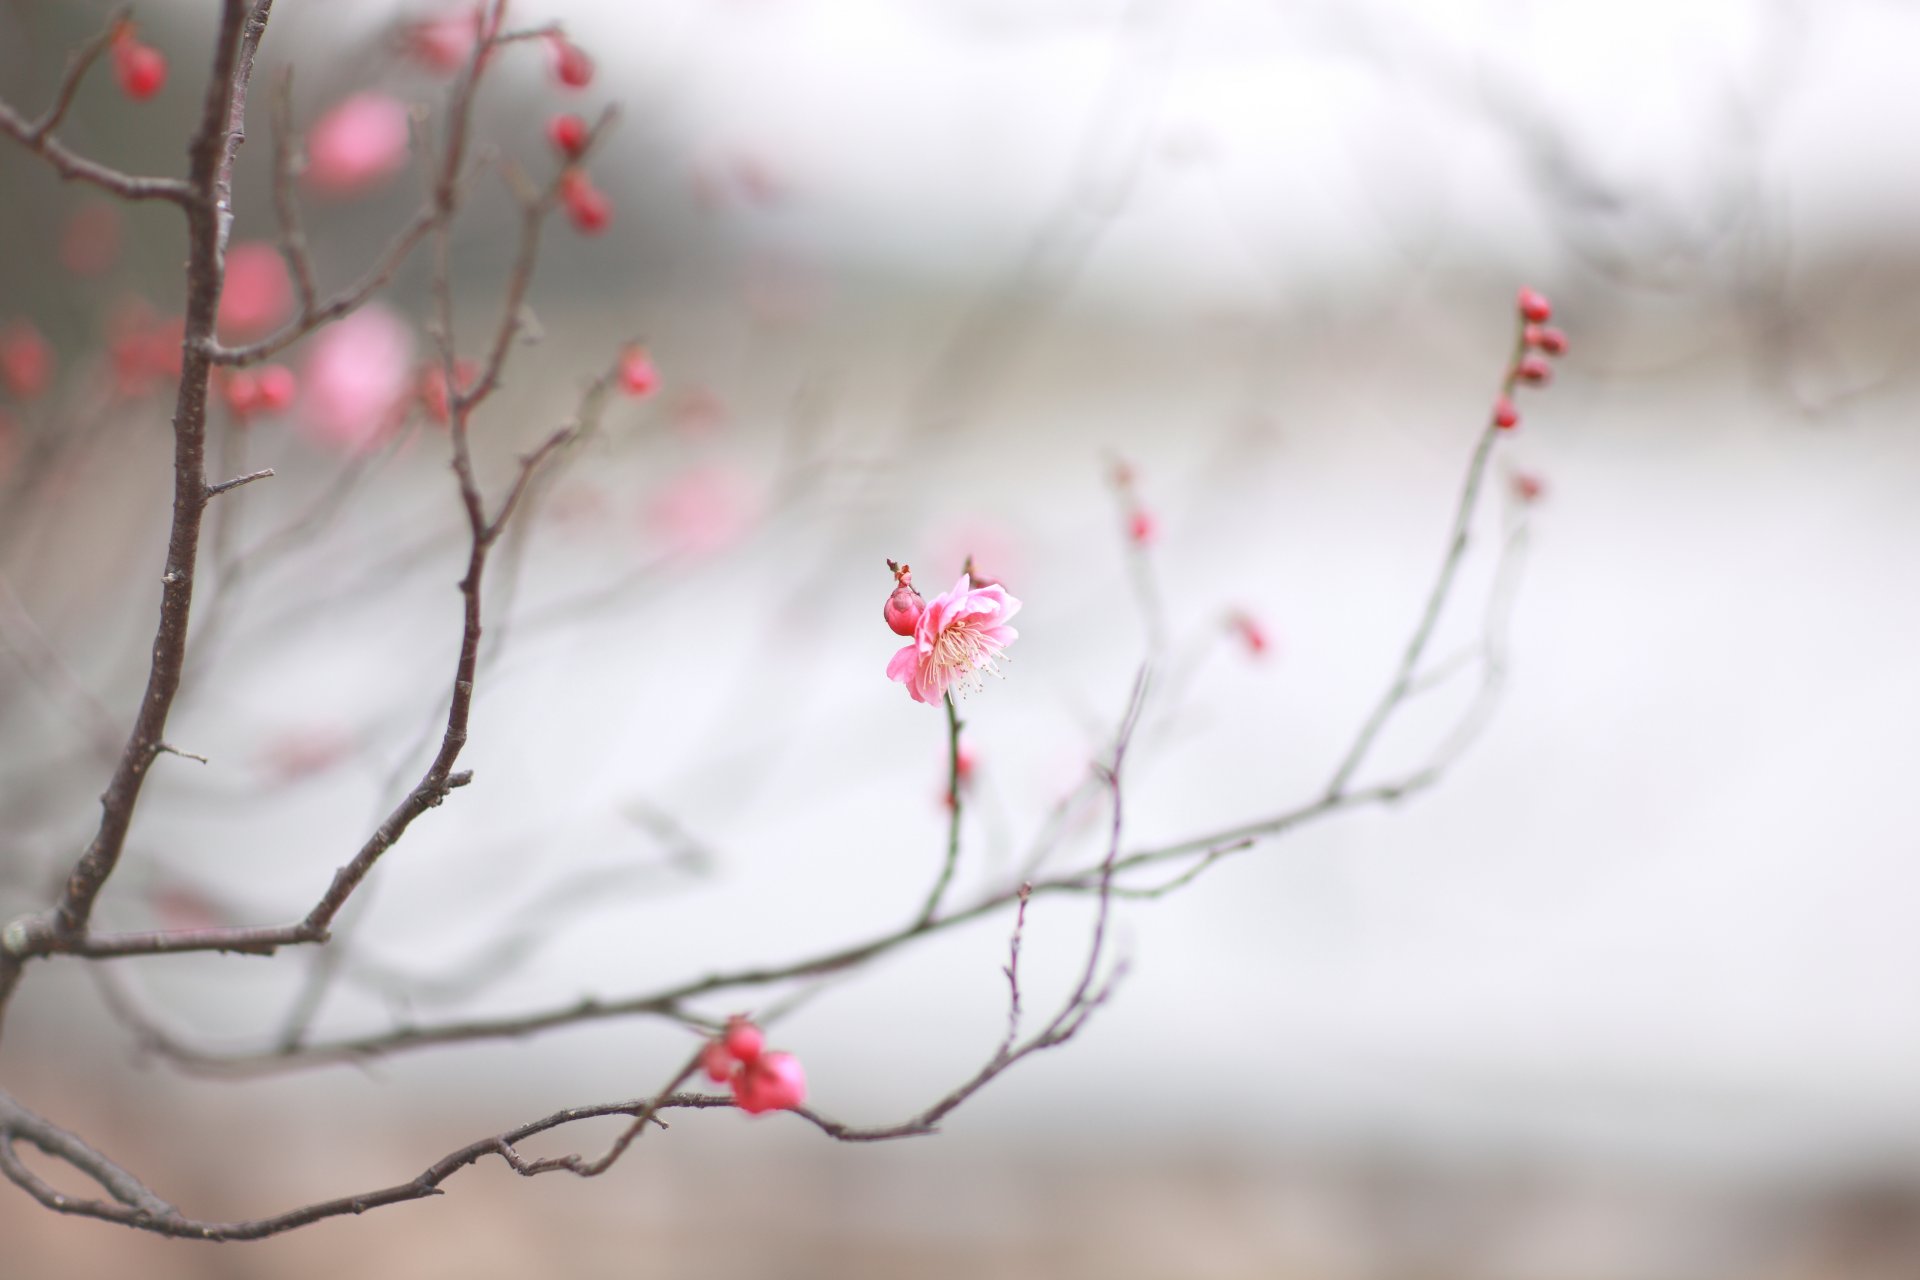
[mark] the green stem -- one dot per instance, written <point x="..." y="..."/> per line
<point x="953" y="814"/>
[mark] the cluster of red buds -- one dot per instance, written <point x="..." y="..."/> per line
<point x="588" y="207"/>
<point x="761" y="1080"/>
<point x="1531" y="362"/>
<point x="140" y="68"/>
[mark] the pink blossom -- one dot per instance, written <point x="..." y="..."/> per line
<point x="359" y="143"/>
<point x="258" y="293"/>
<point x="358" y="375"/>
<point x="772" y="1082"/>
<point x="958" y="636"/>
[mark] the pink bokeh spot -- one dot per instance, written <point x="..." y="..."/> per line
<point x="958" y="637"/>
<point x="258" y="293"/>
<point x="706" y="510"/>
<point x="357" y="379"/>
<point x="359" y="143"/>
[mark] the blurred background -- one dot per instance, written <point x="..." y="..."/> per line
<point x="1627" y="995"/>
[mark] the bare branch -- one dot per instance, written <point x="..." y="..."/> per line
<point x="215" y="145"/>
<point x="37" y="135"/>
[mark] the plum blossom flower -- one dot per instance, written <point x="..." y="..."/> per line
<point x="958" y="636"/>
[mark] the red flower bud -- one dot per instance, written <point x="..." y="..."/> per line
<point x="638" y="377"/>
<point x="571" y="65"/>
<point x="277" y="388"/>
<point x="1505" y="416"/>
<point x="744" y="1040"/>
<point x="1534" y="306"/>
<point x="568" y="134"/>
<point x="1543" y="338"/>
<point x="587" y="206"/>
<point x="141" y="69"/>
<point x="904" y="607"/>
<point x="1535" y="370"/>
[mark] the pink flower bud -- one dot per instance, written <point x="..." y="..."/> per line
<point x="1547" y="339"/>
<point x="141" y="69"/>
<point x="571" y="65"/>
<point x="1535" y="370"/>
<point x="716" y="1062"/>
<point x="902" y="610"/>
<point x="1534" y="306"/>
<point x="638" y="377"/>
<point x="568" y="134"/>
<point x="1527" y="486"/>
<point x="774" y="1082"/>
<point x="1505" y="416"/>
<point x="586" y="205"/>
<point x="358" y="144"/>
<point x="1143" y="527"/>
<point x="744" y="1040"/>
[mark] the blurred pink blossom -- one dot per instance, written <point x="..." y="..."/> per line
<point x="359" y="143"/>
<point x="358" y="376"/>
<point x="705" y="509"/>
<point x="771" y="1082"/>
<point x="443" y="43"/>
<point x="258" y="294"/>
<point x="958" y="636"/>
<point x="26" y="361"/>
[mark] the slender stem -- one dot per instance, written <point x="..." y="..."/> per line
<point x="209" y="216"/>
<point x="932" y="907"/>
<point x="1404" y="676"/>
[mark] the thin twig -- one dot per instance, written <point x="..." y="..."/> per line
<point x="952" y="858"/>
